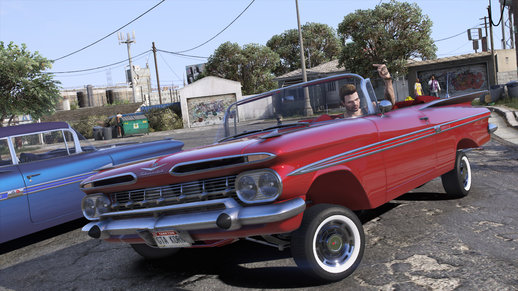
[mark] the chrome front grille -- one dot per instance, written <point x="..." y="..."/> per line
<point x="194" y="191"/>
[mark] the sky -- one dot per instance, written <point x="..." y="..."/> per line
<point x="56" y="28"/>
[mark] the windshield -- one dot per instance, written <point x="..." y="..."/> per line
<point x="298" y="105"/>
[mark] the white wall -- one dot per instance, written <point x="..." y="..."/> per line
<point x="206" y="87"/>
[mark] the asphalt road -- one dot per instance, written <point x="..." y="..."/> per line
<point x="424" y="240"/>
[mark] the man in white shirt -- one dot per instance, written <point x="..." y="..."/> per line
<point x="435" y="88"/>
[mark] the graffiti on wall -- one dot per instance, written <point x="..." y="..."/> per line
<point x="458" y="80"/>
<point x="208" y="110"/>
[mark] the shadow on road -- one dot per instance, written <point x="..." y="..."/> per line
<point x="241" y="264"/>
<point x="41" y="235"/>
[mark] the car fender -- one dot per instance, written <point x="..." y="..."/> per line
<point x="350" y="192"/>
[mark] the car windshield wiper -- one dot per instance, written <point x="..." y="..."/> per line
<point x="305" y="124"/>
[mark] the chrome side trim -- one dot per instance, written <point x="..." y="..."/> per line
<point x="57" y="183"/>
<point x="10" y="194"/>
<point x="240" y="215"/>
<point x="383" y="145"/>
<point x="245" y="156"/>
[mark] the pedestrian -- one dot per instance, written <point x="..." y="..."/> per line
<point x="120" y="130"/>
<point x="418" y="88"/>
<point x="435" y="88"/>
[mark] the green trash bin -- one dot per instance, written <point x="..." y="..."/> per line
<point x="134" y="124"/>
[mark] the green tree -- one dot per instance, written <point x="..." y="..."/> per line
<point x="391" y="33"/>
<point x="321" y="45"/>
<point x="24" y="87"/>
<point x="251" y="65"/>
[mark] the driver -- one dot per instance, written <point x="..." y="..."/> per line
<point x="351" y="100"/>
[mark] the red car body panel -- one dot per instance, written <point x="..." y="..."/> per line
<point x="358" y="163"/>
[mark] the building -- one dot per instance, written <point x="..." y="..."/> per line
<point x="465" y="73"/>
<point x="91" y="96"/>
<point x="204" y="102"/>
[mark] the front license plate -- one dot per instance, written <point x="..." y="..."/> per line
<point x="172" y="239"/>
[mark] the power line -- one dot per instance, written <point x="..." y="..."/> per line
<point x="169" y="66"/>
<point x="182" y="55"/>
<point x="463" y="45"/>
<point x="81" y="49"/>
<point x="501" y="15"/>
<point x="179" y="52"/>
<point x="453" y="35"/>
<point x="100" y="67"/>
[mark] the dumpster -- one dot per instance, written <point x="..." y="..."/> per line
<point x="134" y="124"/>
<point x="512" y="89"/>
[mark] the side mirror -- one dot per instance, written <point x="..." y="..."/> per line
<point x="385" y="106"/>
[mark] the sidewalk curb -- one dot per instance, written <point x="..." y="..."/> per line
<point x="507" y="114"/>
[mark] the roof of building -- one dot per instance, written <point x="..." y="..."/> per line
<point x="332" y="66"/>
<point x="413" y="63"/>
<point x="325" y="68"/>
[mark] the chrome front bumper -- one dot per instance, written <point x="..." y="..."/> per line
<point x="491" y="127"/>
<point x="232" y="217"/>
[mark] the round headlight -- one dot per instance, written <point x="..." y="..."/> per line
<point x="269" y="184"/>
<point x="95" y="205"/>
<point x="102" y="204"/>
<point x="258" y="186"/>
<point x="246" y="188"/>
<point x="88" y="206"/>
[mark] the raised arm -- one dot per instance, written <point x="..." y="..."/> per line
<point x="385" y="75"/>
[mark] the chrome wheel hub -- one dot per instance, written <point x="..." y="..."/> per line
<point x="334" y="244"/>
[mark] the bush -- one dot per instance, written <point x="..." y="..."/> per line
<point x="163" y="119"/>
<point x="85" y="126"/>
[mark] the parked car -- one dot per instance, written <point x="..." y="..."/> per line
<point x="288" y="180"/>
<point x="41" y="165"/>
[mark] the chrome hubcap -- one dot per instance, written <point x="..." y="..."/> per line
<point x="335" y="243"/>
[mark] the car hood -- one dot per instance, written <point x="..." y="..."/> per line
<point x="232" y="157"/>
<point x="155" y="172"/>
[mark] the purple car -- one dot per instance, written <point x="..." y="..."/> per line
<point x="41" y="166"/>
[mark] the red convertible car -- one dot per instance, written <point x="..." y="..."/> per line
<point x="286" y="178"/>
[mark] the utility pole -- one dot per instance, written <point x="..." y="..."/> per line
<point x="514" y="7"/>
<point x="493" y="81"/>
<point x="511" y="28"/>
<point x="156" y="70"/>
<point x="128" y="41"/>
<point x="308" y="111"/>
<point x="502" y="7"/>
<point x="484" y="39"/>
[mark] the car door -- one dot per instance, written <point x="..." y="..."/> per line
<point x="52" y="172"/>
<point x="408" y="143"/>
<point x="14" y="210"/>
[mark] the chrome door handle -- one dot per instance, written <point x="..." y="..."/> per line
<point x="30" y="176"/>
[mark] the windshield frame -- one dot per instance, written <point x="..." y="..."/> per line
<point x="365" y="87"/>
